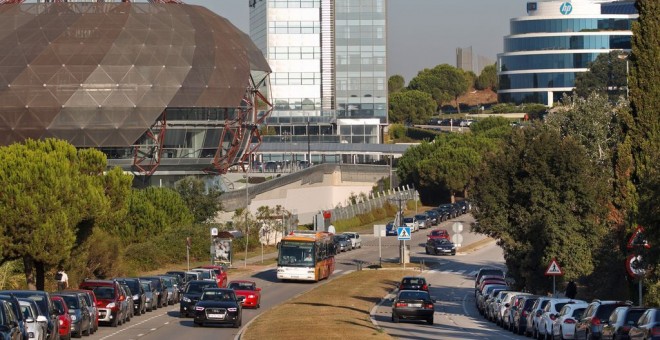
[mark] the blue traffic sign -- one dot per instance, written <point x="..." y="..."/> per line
<point x="403" y="233"/>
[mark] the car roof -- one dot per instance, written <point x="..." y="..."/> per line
<point x="242" y="281"/>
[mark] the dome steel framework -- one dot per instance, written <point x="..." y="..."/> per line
<point x="150" y="84"/>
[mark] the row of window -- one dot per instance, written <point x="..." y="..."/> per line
<point x="297" y="104"/>
<point x="570" y="25"/>
<point x="294" y="27"/>
<point x="295" y="78"/>
<point x="546" y="61"/>
<point x="294" y="52"/>
<point x="529" y="97"/>
<point x="294" y="3"/>
<point x="615" y="42"/>
<point x="537" y="80"/>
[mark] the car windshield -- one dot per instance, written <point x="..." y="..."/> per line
<point x="205" y="274"/>
<point x="168" y="283"/>
<point x="442" y="241"/>
<point x="39" y="299"/>
<point x="604" y="311"/>
<point x="408" y="220"/>
<point x="59" y="305"/>
<point x="27" y="311"/>
<point x="71" y="301"/>
<point x="104" y="292"/>
<point x="413" y="281"/>
<point x="559" y="306"/>
<point x="578" y="313"/>
<point x="146" y="287"/>
<point x="242" y="285"/>
<point x="133" y="285"/>
<point x="420" y="217"/>
<point x="420" y="295"/>
<point x="214" y="295"/>
<point x="198" y="288"/>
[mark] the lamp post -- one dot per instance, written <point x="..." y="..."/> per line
<point x="309" y="150"/>
<point x="247" y="211"/>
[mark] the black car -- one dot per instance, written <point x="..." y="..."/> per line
<point x="16" y="310"/>
<point x="9" y="324"/>
<point x="413" y="305"/>
<point x="45" y="306"/>
<point x="193" y="291"/>
<point x="414" y="283"/>
<point x="444" y="213"/>
<point x="433" y="216"/>
<point x="437" y="246"/>
<point x="81" y="319"/>
<point x="139" y="296"/>
<point x="219" y="306"/>
<point x="391" y="229"/>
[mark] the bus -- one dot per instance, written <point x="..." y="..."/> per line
<point x="306" y="256"/>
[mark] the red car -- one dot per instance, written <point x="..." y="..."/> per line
<point x="63" y="317"/>
<point x="220" y="275"/>
<point x="438" y="233"/>
<point x="249" y="290"/>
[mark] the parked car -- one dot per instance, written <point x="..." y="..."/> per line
<point x="413" y="305"/>
<point x="181" y="274"/>
<point x="391" y="229"/>
<point x="621" y="321"/>
<point x="563" y="327"/>
<point x="138" y="294"/>
<point x="9" y="328"/>
<point x="464" y="206"/>
<point x="590" y="325"/>
<point x="15" y="306"/>
<point x="484" y="296"/>
<point x="423" y="222"/>
<point x="128" y="299"/>
<point x="219" y="306"/>
<point x="356" y="241"/>
<point x="171" y="291"/>
<point x="520" y="313"/>
<point x="432" y="216"/>
<point x="648" y="326"/>
<point x="220" y="275"/>
<point x="161" y="290"/>
<point x="90" y="297"/>
<point x="190" y="275"/>
<point x="437" y="246"/>
<point x="438" y="234"/>
<point x="508" y="305"/>
<point x="342" y="243"/>
<point x="535" y="315"/>
<point x="550" y="313"/>
<point x="37" y="324"/>
<point x="64" y="317"/>
<point x="414" y="283"/>
<point x="191" y="295"/>
<point x="112" y="307"/>
<point x="150" y="297"/>
<point x="487" y="271"/>
<point x="411" y="222"/>
<point x="207" y="274"/>
<point x="249" y="290"/>
<point x="449" y="209"/>
<point x="81" y="319"/>
<point x="45" y="307"/>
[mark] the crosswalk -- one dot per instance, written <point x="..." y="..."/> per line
<point x="457" y="272"/>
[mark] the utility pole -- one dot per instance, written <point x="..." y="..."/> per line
<point x="309" y="150"/>
<point x="399" y="221"/>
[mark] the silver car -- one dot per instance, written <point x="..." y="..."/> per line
<point x="36" y="324"/>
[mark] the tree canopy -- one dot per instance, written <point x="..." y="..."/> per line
<point x="487" y="79"/>
<point x="395" y="84"/>
<point x="443" y="82"/>
<point x="607" y="75"/>
<point x="202" y="202"/>
<point x="415" y="107"/>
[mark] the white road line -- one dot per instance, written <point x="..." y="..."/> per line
<point x="473" y="273"/>
<point x="348" y="272"/>
<point x="133" y="325"/>
<point x="338" y="271"/>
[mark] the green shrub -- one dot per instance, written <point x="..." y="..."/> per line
<point x="397" y="131"/>
<point x="421" y="134"/>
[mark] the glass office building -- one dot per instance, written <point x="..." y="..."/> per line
<point x="329" y="82"/>
<point x="556" y="41"/>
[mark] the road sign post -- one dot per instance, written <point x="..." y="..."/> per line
<point x="554" y="270"/>
<point x="403" y="234"/>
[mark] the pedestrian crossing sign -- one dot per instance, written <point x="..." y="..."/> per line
<point x="554" y="269"/>
<point x="403" y="233"/>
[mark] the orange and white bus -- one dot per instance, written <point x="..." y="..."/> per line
<point x="306" y="256"/>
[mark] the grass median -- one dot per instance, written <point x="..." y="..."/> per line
<point x="338" y="309"/>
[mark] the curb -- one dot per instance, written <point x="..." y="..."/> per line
<point x="372" y="313"/>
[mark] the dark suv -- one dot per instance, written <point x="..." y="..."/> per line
<point x="594" y="318"/>
<point x="45" y="306"/>
<point x="139" y="296"/>
<point x="161" y="290"/>
<point x="191" y="295"/>
<point x="414" y="283"/>
<point x="109" y="300"/>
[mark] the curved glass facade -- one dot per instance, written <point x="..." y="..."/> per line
<point x="578" y="42"/>
<point x="547" y="49"/>
<point x="536" y="80"/>
<point x="570" y="25"/>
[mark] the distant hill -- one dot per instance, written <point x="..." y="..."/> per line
<point x="474" y="97"/>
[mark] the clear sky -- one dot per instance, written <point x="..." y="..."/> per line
<point x="421" y="33"/>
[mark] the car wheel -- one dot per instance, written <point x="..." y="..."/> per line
<point x="238" y="322"/>
<point x="395" y="318"/>
<point x="427" y="251"/>
<point x="115" y="322"/>
<point x="88" y="331"/>
<point x="197" y="324"/>
<point x="429" y="320"/>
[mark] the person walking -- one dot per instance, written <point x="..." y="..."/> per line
<point x="62" y="279"/>
<point x="571" y="290"/>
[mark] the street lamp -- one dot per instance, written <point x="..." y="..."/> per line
<point x="309" y="150"/>
<point x="247" y="211"/>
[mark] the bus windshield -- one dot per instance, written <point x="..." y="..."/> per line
<point x="296" y="254"/>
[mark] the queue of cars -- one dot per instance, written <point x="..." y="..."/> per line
<point x="347" y="241"/>
<point x="40" y="315"/>
<point x="431" y="218"/>
<point x="413" y="301"/>
<point x="548" y="317"/>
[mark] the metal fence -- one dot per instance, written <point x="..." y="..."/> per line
<point x="374" y="201"/>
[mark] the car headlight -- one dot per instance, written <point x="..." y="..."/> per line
<point x="73" y="318"/>
<point x="148" y="299"/>
<point x="199" y="308"/>
<point x="185" y="299"/>
<point x="110" y="305"/>
<point x="232" y="309"/>
<point x="250" y="296"/>
<point x="136" y="297"/>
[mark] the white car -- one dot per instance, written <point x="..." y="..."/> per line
<point x="356" y="241"/>
<point x="564" y="325"/>
<point x="550" y="313"/>
<point x="36" y="324"/>
<point x="412" y="223"/>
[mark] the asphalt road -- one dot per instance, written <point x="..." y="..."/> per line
<point x="165" y="323"/>
<point x="452" y="285"/>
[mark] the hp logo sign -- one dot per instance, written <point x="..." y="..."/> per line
<point x="566" y="8"/>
